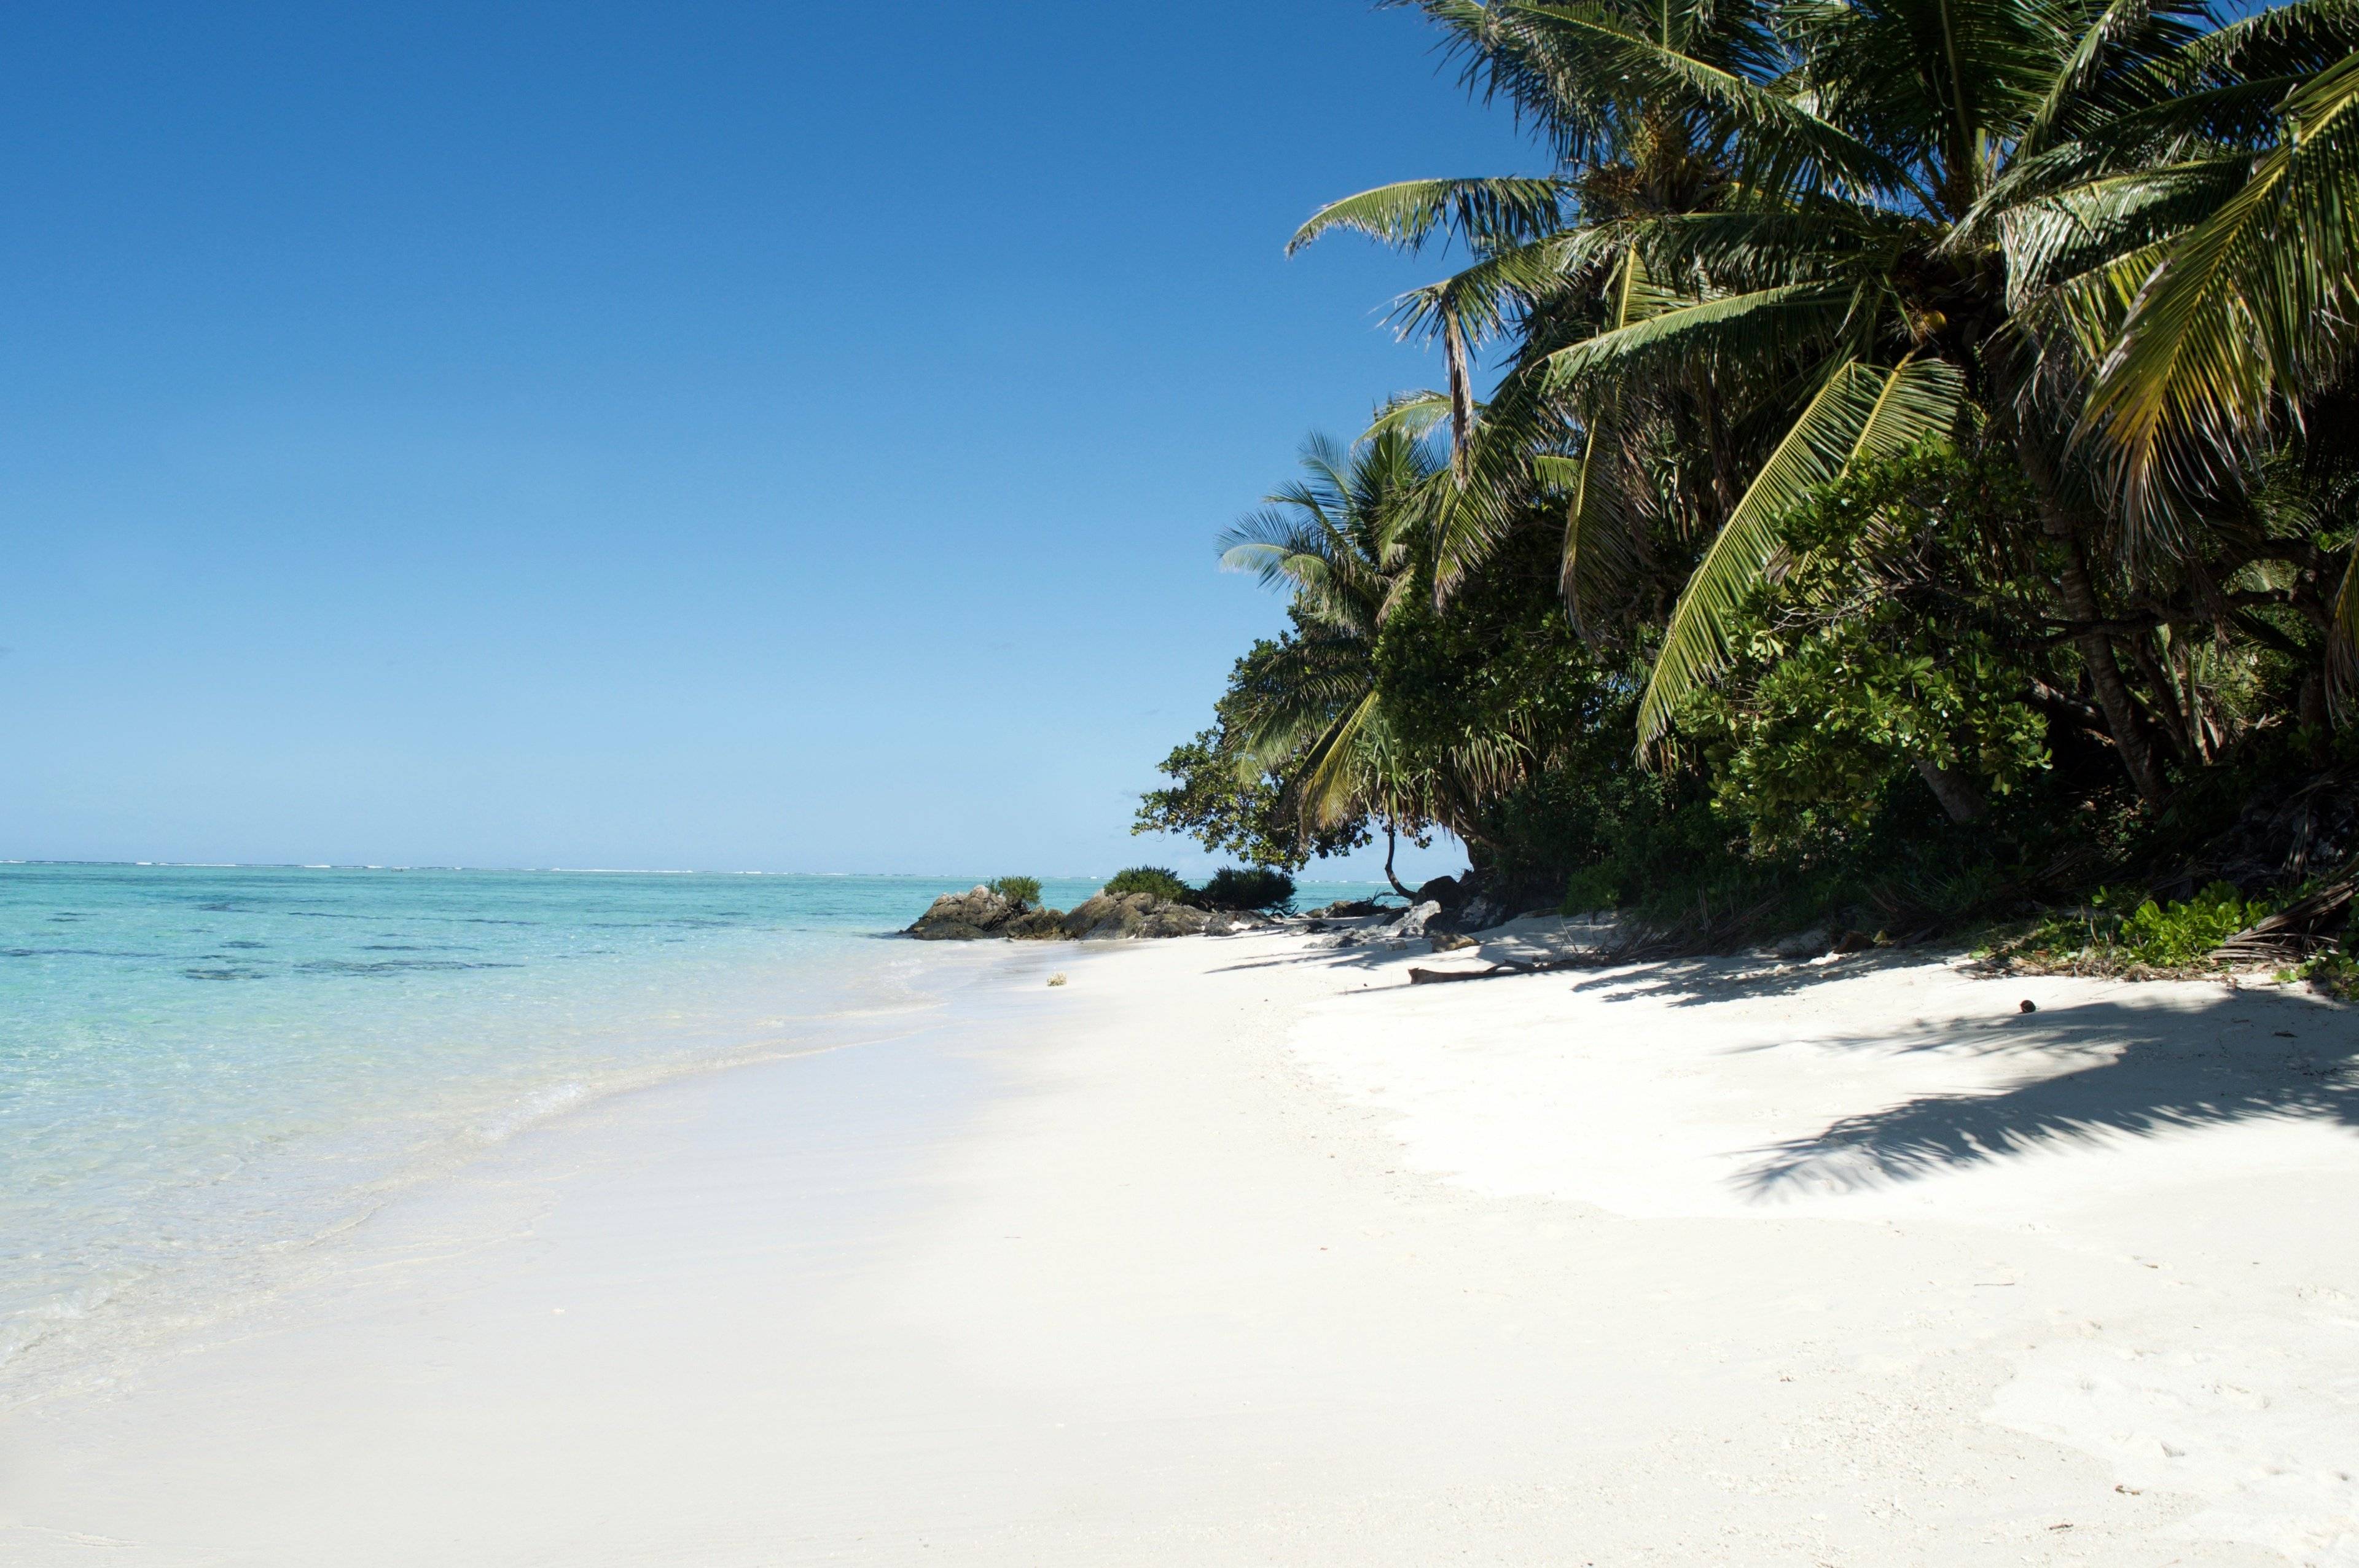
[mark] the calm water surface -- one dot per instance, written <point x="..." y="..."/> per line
<point x="201" y="1067"/>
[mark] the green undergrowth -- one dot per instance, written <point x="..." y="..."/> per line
<point x="1232" y="888"/>
<point x="2334" y="973"/>
<point x="2122" y="931"/>
<point x="1023" y="891"/>
<point x="1152" y="880"/>
<point x="1247" y="887"/>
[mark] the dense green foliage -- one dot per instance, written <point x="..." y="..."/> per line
<point x="1915" y="476"/>
<point x="1021" y="890"/>
<point x="1247" y="887"/>
<point x="1151" y="880"/>
<point x="2122" y="927"/>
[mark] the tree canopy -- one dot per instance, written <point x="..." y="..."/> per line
<point x="1899" y="410"/>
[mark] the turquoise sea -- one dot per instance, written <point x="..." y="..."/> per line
<point x="202" y="1067"/>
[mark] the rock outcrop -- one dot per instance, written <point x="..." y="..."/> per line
<point x="1035" y="925"/>
<point x="979" y="913"/>
<point x="1414" y="919"/>
<point x="964" y="916"/>
<point x="1443" y="890"/>
<point x="1111" y="916"/>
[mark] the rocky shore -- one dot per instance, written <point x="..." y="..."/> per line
<point x="979" y="913"/>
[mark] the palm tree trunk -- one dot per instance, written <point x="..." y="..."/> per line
<point x="1392" y="842"/>
<point x="1461" y="393"/>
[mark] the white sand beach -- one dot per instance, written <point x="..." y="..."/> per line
<point x="1246" y="1251"/>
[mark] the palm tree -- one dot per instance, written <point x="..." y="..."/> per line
<point x="1847" y="223"/>
<point x="1333" y="538"/>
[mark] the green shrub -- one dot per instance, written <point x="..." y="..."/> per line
<point x="1591" y="887"/>
<point x="1022" y="891"/>
<point x="2332" y="973"/>
<point x="2187" y="930"/>
<point x="1155" y="879"/>
<point x="1248" y="887"/>
<point x="2123" y="927"/>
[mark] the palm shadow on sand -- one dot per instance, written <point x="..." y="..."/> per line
<point x="2117" y="1071"/>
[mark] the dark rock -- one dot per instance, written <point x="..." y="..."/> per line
<point x="1176" y="920"/>
<point x="1113" y="916"/>
<point x="1104" y="915"/>
<point x="1443" y="890"/>
<point x="1349" y="909"/>
<point x="963" y="916"/>
<point x="1853" y="942"/>
<point x="1035" y="925"/>
<point x="1481" y="914"/>
<point x="1450" y="941"/>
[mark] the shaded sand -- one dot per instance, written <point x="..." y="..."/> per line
<point x="1244" y="1252"/>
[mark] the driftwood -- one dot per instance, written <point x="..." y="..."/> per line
<point x="1642" y="950"/>
<point x="1438" y="976"/>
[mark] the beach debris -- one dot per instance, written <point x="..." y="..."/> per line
<point x="1801" y="944"/>
<point x="1450" y="941"/>
<point x="1057" y="979"/>
<point x="2028" y="1005"/>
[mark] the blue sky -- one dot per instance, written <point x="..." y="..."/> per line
<point x="737" y="437"/>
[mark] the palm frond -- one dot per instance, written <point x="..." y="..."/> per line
<point x="2243" y="306"/>
<point x="1764" y="321"/>
<point x="1860" y="414"/>
<point x="1486" y="214"/>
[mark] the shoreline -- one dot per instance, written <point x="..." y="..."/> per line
<point x="104" y="1340"/>
<point x="1242" y="1250"/>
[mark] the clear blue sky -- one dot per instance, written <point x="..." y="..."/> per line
<point x="739" y="436"/>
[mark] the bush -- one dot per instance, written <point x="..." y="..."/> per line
<point x="2185" y="933"/>
<point x="2122" y="927"/>
<point x="1163" y="884"/>
<point x="1024" y="891"/>
<point x="1247" y="887"/>
<point x="1591" y="888"/>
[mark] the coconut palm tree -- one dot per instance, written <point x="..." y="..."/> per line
<point x="1333" y="538"/>
<point x="1845" y="222"/>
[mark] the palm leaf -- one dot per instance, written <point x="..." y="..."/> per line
<point x="1597" y="547"/>
<point x="1765" y="321"/>
<point x="1486" y="214"/>
<point x="2241" y="306"/>
<point x="1788" y="140"/>
<point x="1860" y="414"/>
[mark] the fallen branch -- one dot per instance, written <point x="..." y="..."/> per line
<point x="1640" y="952"/>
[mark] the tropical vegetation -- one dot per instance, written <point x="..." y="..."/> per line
<point x="1898" y="455"/>
<point x="1024" y="892"/>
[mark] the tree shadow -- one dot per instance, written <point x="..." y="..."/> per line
<point x="2094" y="1071"/>
<point x="1695" y="982"/>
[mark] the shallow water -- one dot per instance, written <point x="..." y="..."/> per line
<point x="203" y="1068"/>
